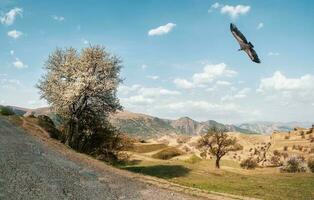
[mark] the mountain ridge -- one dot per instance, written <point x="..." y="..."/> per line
<point x="143" y="125"/>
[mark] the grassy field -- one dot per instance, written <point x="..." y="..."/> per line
<point x="266" y="183"/>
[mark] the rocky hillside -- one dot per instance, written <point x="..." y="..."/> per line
<point x="147" y="126"/>
<point x="142" y="125"/>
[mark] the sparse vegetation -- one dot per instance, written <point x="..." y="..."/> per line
<point x="294" y="164"/>
<point x="249" y="163"/>
<point x="193" y="159"/>
<point x="145" y="148"/>
<point x="46" y="123"/>
<point x="276" y="161"/>
<point x="168" y="153"/>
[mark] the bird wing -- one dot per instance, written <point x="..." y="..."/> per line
<point x="237" y="34"/>
<point x="253" y="55"/>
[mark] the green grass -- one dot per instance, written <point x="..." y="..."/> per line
<point x="270" y="186"/>
<point x="260" y="183"/>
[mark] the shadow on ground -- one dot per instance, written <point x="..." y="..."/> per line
<point x="160" y="171"/>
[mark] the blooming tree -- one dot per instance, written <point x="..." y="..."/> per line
<point x="81" y="88"/>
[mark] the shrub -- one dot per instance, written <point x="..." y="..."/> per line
<point x="193" y="159"/>
<point x="249" y="163"/>
<point x="275" y="161"/>
<point x="238" y="147"/>
<point x="46" y="123"/>
<point x="168" y="153"/>
<point x="285" y="148"/>
<point x="287" y="137"/>
<point x="276" y="153"/>
<point x="5" y="110"/>
<point x="310" y="164"/>
<point x="294" y="164"/>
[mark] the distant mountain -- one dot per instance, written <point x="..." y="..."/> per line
<point x="186" y="125"/>
<point x="269" y="127"/>
<point x="141" y="125"/>
<point x="146" y="126"/>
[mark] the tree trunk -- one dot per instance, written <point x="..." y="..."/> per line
<point x="72" y="132"/>
<point x="218" y="162"/>
<point x="69" y="133"/>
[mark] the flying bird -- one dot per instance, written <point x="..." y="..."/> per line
<point x="244" y="44"/>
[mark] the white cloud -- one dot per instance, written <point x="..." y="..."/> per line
<point x="137" y="100"/>
<point x="161" y="30"/>
<point x="182" y="83"/>
<point x="214" y="6"/>
<point x="260" y="25"/>
<point x="9" y="17"/>
<point x="273" y="54"/>
<point x="297" y="92"/>
<point x="19" y="64"/>
<point x="15" y="34"/>
<point x="144" y="66"/>
<point x="208" y="75"/>
<point x="211" y="72"/>
<point x="239" y="95"/>
<point x="153" y="77"/>
<point x="58" y="18"/>
<point x="223" y="83"/>
<point x="12" y="52"/>
<point x="235" y="11"/>
<point x="280" y="82"/>
<point x="146" y="91"/>
<point x="135" y="95"/>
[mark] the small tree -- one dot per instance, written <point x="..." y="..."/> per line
<point x="217" y="143"/>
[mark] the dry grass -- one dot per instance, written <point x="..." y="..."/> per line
<point x="146" y="148"/>
<point x="167" y="153"/>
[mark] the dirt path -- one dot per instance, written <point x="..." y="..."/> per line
<point x="41" y="168"/>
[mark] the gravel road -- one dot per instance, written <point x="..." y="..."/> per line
<point x="31" y="170"/>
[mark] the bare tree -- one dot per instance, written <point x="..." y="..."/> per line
<point x="217" y="143"/>
<point x="81" y="87"/>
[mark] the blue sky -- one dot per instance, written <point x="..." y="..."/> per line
<point x="179" y="56"/>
